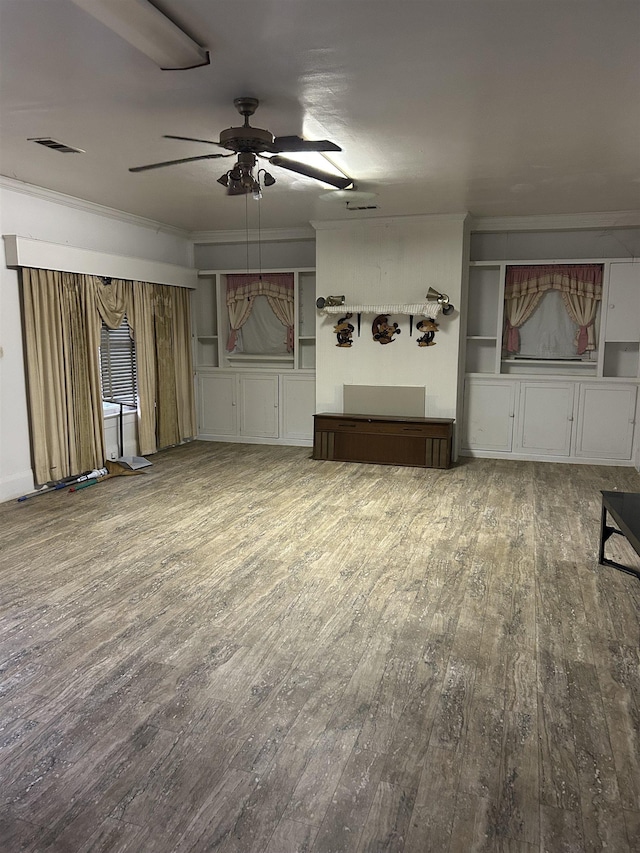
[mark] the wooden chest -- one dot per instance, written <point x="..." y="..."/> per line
<point x="383" y="439"/>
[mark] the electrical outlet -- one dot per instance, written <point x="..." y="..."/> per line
<point x="113" y="456"/>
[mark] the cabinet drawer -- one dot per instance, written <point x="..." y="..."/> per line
<point x="435" y="430"/>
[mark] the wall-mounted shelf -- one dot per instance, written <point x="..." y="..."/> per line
<point x="249" y="356"/>
<point x="430" y="309"/>
<point x="565" y="362"/>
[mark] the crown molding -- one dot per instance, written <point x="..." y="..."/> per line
<point x="265" y="235"/>
<point x="88" y="206"/>
<point x="557" y="221"/>
<point x="332" y="224"/>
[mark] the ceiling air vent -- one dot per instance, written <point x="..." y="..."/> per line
<point x="55" y="145"/>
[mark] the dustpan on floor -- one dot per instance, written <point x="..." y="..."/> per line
<point x="116" y="469"/>
<point x="134" y="463"/>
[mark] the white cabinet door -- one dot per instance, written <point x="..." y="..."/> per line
<point x="545" y="418"/>
<point x="623" y="303"/>
<point x="259" y="405"/>
<point x="606" y="421"/>
<point x="217" y="410"/>
<point x="298" y="406"/>
<point x="489" y="408"/>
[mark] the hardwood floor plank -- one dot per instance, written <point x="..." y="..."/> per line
<point x="560" y="831"/>
<point x="435" y="801"/>
<point x="388" y="820"/>
<point x="516" y="811"/>
<point x="115" y="836"/>
<point x="632" y="825"/>
<point x="16" y="833"/>
<point x="452" y="715"/>
<point x="262" y="811"/>
<point x="326" y="762"/>
<point x="292" y="837"/>
<point x="480" y="759"/>
<point x="603" y="822"/>
<point x="559" y="785"/>
<point x="348" y="811"/>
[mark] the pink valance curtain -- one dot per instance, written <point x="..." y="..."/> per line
<point x="242" y="290"/>
<point x="579" y="284"/>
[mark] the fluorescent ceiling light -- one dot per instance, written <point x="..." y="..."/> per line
<point x="319" y="161"/>
<point x="145" y="27"/>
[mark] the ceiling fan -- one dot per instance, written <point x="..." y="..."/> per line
<point x="248" y="143"/>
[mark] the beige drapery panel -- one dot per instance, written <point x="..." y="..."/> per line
<point x="519" y="309"/>
<point x="63" y="375"/>
<point x="579" y="284"/>
<point x="582" y="310"/>
<point x="141" y="321"/>
<point x="62" y="319"/>
<point x="283" y="309"/>
<point x="181" y="338"/>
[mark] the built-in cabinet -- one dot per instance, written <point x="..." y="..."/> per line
<point x="261" y="407"/>
<point x="249" y="397"/>
<point x="549" y="418"/>
<point x="571" y="411"/>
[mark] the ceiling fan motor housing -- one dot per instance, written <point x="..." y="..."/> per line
<point x="252" y="139"/>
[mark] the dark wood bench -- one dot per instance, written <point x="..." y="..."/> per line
<point x="383" y="439"/>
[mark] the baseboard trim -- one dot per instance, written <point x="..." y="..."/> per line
<point x="241" y="439"/>
<point x="563" y="460"/>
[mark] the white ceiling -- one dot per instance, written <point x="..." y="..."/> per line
<point x="497" y="107"/>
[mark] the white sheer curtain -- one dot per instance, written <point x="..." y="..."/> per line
<point x="549" y="332"/>
<point x="262" y="332"/>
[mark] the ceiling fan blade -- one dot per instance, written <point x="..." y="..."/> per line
<point x="296" y="143"/>
<point x="175" y="162"/>
<point x="311" y="172"/>
<point x="190" y="139"/>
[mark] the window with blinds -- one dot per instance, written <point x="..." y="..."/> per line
<point x="118" y="365"/>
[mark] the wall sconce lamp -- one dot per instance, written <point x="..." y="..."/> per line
<point x="145" y="27"/>
<point x="329" y="301"/>
<point x="442" y="299"/>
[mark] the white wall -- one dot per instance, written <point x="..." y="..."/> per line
<point x="390" y="260"/>
<point x="31" y="212"/>
<point x="283" y="254"/>
<point x="559" y="244"/>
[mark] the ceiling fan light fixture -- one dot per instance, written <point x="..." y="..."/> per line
<point x="145" y="27"/>
<point x="224" y="179"/>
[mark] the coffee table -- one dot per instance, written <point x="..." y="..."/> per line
<point x="624" y="509"/>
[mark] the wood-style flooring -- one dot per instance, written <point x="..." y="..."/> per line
<point x="246" y="650"/>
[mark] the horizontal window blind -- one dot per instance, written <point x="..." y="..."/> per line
<point x="118" y="365"/>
